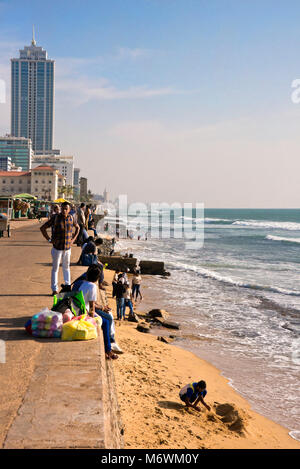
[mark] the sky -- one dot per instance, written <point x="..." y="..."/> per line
<point x="170" y="100"/>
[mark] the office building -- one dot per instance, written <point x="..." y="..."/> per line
<point x="32" y="97"/>
<point x="19" y="149"/>
<point x="5" y="163"/>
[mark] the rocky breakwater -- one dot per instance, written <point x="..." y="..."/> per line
<point x="129" y="264"/>
<point x="157" y="318"/>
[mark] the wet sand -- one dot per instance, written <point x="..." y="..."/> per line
<point x="149" y="376"/>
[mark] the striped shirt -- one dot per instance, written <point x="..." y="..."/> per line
<point x="62" y="231"/>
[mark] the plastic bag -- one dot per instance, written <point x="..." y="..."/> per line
<point x="46" y="323"/>
<point x="77" y="301"/>
<point x="96" y="320"/>
<point x="78" y="330"/>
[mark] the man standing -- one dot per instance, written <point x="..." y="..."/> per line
<point x="62" y="239"/>
<point x="81" y="222"/>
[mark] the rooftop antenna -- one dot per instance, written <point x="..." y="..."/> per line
<point x="33" y="42"/>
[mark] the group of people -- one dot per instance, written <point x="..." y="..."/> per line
<point x="124" y="294"/>
<point x="64" y="232"/>
<point x="65" y="227"/>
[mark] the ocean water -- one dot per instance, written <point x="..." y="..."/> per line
<point x="238" y="300"/>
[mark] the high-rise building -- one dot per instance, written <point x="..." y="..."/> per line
<point x="19" y="149"/>
<point x="76" y="182"/>
<point x="32" y="97"/>
<point x="83" y="187"/>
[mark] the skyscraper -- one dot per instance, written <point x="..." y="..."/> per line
<point x="32" y="97"/>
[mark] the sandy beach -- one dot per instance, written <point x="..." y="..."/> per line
<point x="149" y="376"/>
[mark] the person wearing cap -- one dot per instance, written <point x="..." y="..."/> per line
<point x="193" y="393"/>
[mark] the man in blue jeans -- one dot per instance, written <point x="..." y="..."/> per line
<point x="120" y="300"/>
<point x="62" y="239"/>
<point x="90" y="292"/>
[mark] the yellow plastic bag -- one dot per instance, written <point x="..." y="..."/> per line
<point x="78" y="330"/>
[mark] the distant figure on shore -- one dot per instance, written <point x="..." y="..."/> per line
<point x="62" y="240"/>
<point x="119" y="292"/>
<point x="136" y="285"/>
<point x="114" y="282"/>
<point x="193" y="393"/>
<point x="81" y="222"/>
<point x="113" y="243"/>
<point x="127" y="295"/>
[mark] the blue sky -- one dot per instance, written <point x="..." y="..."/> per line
<point x="193" y="95"/>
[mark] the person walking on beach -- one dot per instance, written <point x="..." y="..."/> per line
<point x="62" y="240"/>
<point x="136" y="285"/>
<point x="193" y="393"/>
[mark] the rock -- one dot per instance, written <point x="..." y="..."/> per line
<point x="133" y="318"/>
<point x="143" y="327"/>
<point x="168" y="324"/>
<point x="163" y="339"/>
<point x="158" y="313"/>
<point x="153" y="268"/>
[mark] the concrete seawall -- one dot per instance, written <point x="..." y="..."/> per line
<point x="54" y="394"/>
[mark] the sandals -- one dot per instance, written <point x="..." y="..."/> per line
<point x="111" y="356"/>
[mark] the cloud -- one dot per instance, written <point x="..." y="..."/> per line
<point x="83" y="90"/>
<point x="127" y="53"/>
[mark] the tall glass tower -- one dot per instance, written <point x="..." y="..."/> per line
<point x="32" y="97"/>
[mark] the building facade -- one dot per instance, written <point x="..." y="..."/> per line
<point x="44" y="182"/>
<point x="5" y="163"/>
<point x="32" y="97"/>
<point x="64" y="164"/>
<point x="83" y="187"/>
<point x="15" y="182"/>
<point x="18" y="149"/>
<point x="76" y="181"/>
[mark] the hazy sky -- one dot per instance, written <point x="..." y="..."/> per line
<point x="171" y="100"/>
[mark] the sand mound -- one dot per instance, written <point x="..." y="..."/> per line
<point x="233" y="418"/>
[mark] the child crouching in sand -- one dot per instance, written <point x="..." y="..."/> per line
<point x="194" y="393"/>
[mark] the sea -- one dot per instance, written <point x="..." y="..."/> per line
<point x="237" y="297"/>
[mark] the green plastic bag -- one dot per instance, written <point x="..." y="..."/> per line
<point x="77" y="301"/>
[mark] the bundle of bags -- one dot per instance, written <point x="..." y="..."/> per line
<point x="47" y="323"/>
<point x="81" y="328"/>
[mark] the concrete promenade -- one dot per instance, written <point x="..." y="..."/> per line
<point x="54" y="394"/>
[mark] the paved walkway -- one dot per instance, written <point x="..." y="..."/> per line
<point x="54" y="394"/>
